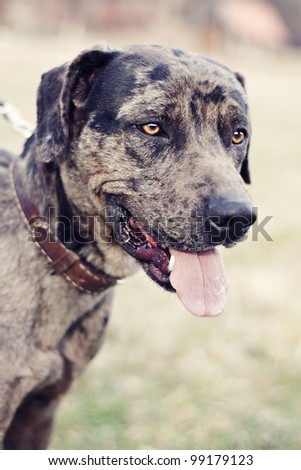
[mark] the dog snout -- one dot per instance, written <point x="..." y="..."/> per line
<point x="228" y="219"/>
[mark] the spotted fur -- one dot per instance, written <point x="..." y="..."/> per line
<point x="87" y="156"/>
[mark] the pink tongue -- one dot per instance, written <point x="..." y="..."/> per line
<point x="200" y="281"/>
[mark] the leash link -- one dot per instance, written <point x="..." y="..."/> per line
<point x="16" y="121"/>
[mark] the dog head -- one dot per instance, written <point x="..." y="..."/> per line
<point x="160" y="138"/>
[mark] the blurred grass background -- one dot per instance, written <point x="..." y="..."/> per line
<point x="165" y="379"/>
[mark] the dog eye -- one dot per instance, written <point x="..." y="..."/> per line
<point x="152" y="129"/>
<point x="238" y="137"/>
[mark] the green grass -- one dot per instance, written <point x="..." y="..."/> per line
<point x="165" y="379"/>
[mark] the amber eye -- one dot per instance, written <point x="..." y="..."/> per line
<point x="151" y="129"/>
<point x="238" y="137"/>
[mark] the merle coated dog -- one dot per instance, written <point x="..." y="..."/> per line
<point x="139" y="157"/>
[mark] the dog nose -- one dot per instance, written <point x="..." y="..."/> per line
<point x="229" y="218"/>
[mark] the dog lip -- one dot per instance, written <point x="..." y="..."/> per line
<point x="137" y="242"/>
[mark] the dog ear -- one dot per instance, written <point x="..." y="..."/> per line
<point x="244" y="171"/>
<point x="62" y="96"/>
<point x="240" y="78"/>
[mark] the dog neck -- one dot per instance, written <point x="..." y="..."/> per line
<point x="64" y="260"/>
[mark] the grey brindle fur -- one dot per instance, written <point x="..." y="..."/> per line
<point x="88" y="154"/>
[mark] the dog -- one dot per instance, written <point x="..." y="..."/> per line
<point x="139" y="158"/>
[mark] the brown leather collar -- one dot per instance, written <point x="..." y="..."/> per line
<point x="63" y="260"/>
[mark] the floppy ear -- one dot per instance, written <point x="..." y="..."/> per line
<point x="244" y="171"/>
<point x="62" y="96"/>
<point x="240" y="78"/>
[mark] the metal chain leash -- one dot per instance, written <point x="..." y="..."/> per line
<point x="17" y="123"/>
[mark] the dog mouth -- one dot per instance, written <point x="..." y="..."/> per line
<point x="134" y="239"/>
<point x="198" y="277"/>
